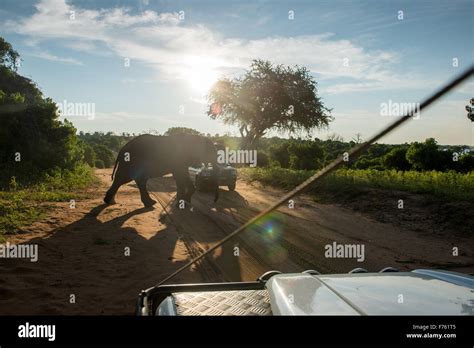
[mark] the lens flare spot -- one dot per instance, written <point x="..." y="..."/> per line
<point x="267" y="234"/>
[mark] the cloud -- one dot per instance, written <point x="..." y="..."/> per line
<point x="54" y="58"/>
<point x="174" y="51"/>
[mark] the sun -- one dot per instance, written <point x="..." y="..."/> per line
<point x="201" y="73"/>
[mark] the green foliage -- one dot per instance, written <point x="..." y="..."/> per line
<point x="12" y="83"/>
<point x="42" y="141"/>
<point x="110" y="140"/>
<point x="466" y="163"/>
<point x="182" y="130"/>
<point x="33" y="141"/>
<point x="80" y="177"/>
<point x="105" y="155"/>
<point x="450" y="185"/>
<point x="100" y="148"/>
<point x="366" y="162"/>
<point x="99" y="164"/>
<point x="279" y="153"/>
<point x="262" y="159"/>
<point x="9" y="58"/>
<point x="40" y="156"/>
<point x="269" y="97"/>
<point x="15" y="213"/>
<point x="89" y="155"/>
<point x="305" y="155"/>
<point x="378" y="156"/>
<point x="396" y="159"/>
<point x="424" y="156"/>
<point x="20" y="204"/>
<point x="334" y="148"/>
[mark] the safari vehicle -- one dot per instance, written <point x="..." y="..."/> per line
<point x="389" y="292"/>
<point x="201" y="176"/>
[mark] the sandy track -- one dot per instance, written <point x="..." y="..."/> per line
<point x="82" y="250"/>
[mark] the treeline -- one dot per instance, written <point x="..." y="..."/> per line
<point x="100" y="149"/>
<point x="421" y="156"/>
<point x="300" y="154"/>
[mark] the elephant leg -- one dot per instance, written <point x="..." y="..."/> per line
<point x="145" y="197"/>
<point x="180" y="179"/>
<point x="189" y="189"/>
<point x="110" y="195"/>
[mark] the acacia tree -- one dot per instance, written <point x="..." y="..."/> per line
<point x="182" y="130"/>
<point x="269" y="97"/>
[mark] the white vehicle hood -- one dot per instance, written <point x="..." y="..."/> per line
<point x="420" y="292"/>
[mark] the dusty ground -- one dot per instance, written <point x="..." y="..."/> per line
<point x="82" y="250"/>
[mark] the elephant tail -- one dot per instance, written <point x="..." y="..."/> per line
<point x="115" y="165"/>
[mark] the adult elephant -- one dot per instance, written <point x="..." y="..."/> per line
<point x="150" y="156"/>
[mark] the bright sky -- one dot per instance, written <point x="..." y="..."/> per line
<point x="362" y="54"/>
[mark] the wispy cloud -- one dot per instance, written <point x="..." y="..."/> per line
<point x="174" y="50"/>
<point x="54" y="58"/>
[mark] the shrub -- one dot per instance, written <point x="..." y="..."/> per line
<point x="99" y="164"/>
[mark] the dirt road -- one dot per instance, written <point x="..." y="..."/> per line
<point x="94" y="259"/>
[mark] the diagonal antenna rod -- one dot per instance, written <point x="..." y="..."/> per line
<point x="353" y="153"/>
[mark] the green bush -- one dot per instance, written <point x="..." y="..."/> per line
<point x="365" y="162"/>
<point x="450" y="184"/>
<point x="99" y="164"/>
<point x="105" y="155"/>
<point x="262" y="159"/>
<point x="89" y="154"/>
<point x="279" y="154"/>
<point x="396" y="159"/>
<point x="305" y="155"/>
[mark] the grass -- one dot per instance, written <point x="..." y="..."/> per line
<point x="450" y="185"/>
<point x="21" y="205"/>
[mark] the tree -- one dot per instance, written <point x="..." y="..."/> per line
<point x="182" y="130"/>
<point x="280" y="154"/>
<point x="9" y="58"/>
<point x="470" y="110"/>
<point x="396" y="159"/>
<point x="422" y="156"/>
<point x="358" y="138"/>
<point x="269" y="97"/>
<point x="89" y="155"/>
<point x="305" y="155"/>
<point x="105" y="155"/>
<point x="262" y="159"/>
<point x="426" y="156"/>
<point x="30" y="127"/>
<point x="366" y="162"/>
<point x="99" y="164"/>
<point x="466" y="163"/>
<point x="334" y="137"/>
<point x="334" y="147"/>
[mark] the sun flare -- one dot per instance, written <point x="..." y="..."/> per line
<point x="201" y="73"/>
